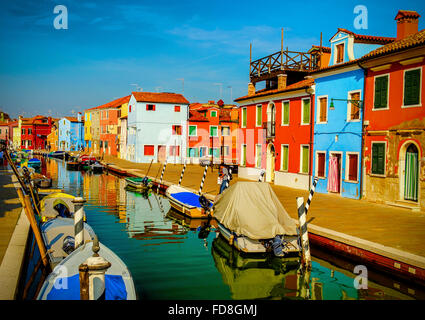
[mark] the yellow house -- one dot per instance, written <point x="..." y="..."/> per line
<point x="53" y="138"/>
<point x="88" y="131"/>
<point x="122" y="132"/>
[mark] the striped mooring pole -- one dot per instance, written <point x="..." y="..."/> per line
<point x="162" y="173"/>
<point x="78" y="221"/>
<point x="203" y="179"/>
<point x="228" y="177"/>
<point x="310" y="196"/>
<point x="303" y="232"/>
<point x="92" y="275"/>
<point x="181" y="176"/>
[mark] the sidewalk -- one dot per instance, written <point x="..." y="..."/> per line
<point x="389" y="226"/>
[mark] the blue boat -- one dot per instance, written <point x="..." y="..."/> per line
<point x="34" y="163"/>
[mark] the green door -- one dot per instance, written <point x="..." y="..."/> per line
<point x="411" y="174"/>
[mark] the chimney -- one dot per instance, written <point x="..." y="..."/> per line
<point x="79" y="116"/>
<point x="407" y="23"/>
<point x="281" y="81"/>
<point x="211" y="102"/>
<point x="251" y="89"/>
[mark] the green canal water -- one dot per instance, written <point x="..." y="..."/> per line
<point x="168" y="260"/>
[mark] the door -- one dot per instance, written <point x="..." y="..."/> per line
<point x="162" y="153"/>
<point x="334" y="177"/>
<point x="271" y="158"/>
<point x="411" y="174"/>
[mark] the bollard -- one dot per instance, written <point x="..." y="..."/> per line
<point x="92" y="275"/>
<point x="78" y="221"/>
<point x="181" y="176"/>
<point x="162" y="173"/>
<point x="203" y="179"/>
<point x="304" y="233"/>
<point x="310" y="196"/>
<point x="262" y="173"/>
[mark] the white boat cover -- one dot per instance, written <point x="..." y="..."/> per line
<point x="252" y="209"/>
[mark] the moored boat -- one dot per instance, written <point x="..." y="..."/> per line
<point x="188" y="203"/>
<point x="96" y="167"/>
<point x="252" y="219"/>
<point x="138" y="182"/>
<point x="34" y="163"/>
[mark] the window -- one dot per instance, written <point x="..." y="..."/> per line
<point x="202" y="151"/>
<point x="323" y="109"/>
<point x="192" y="152"/>
<point x="174" y="151"/>
<point x="321" y="164"/>
<point x="129" y="108"/>
<point x="176" y="108"/>
<point x="193" y="131"/>
<point x="285" y="113"/>
<point x="225" y="150"/>
<point x="258" y="155"/>
<point x="381" y="92"/>
<point x="106" y="144"/>
<point x="352" y="166"/>
<point x="305" y="118"/>
<point x="225" y="131"/>
<point x="29" y="143"/>
<point x="243" y="118"/>
<point x="340" y="53"/>
<point x="285" y="157"/>
<point x="149" y="150"/>
<point x="23" y="131"/>
<point x="214" y="114"/>
<point x="354" y="106"/>
<point x="150" y="107"/>
<point x="177" y="130"/>
<point x="378" y="158"/>
<point x="305" y="155"/>
<point x="243" y="155"/>
<point x="213" y="131"/>
<point x="412" y="81"/>
<point x="215" y="151"/>
<point x="29" y="131"/>
<point x="258" y="112"/>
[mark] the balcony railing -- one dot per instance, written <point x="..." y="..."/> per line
<point x="270" y="127"/>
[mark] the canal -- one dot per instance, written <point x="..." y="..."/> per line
<point x="168" y="260"/>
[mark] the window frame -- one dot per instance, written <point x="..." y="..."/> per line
<point x="215" y="114"/>
<point x="302" y="158"/>
<point x="210" y="132"/>
<point x="256" y="115"/>
<point x="196" y="130"/>
<point x="147" y="107"/>
<point x="243" y="155"/>
<point x="177" y="108"/>
<point x="281" y="157"/>
<point x="388" y="91"/>
<point x="242" y="117"/>
<point x="420" y="87"/>
<point x="349" y="93"/>
<point x="283" y="112"/>
<point x="302" y="112"/>
<point x="174" y="131"/>
<point x="385" y="159"/>
<point x="258" y="156"/>
<point x="316" y="165"/>
<point x="339" y="45"/>
<point x="225" y="135"/>
<point x="347" y="166"/>
<point x="319" y="109"/>
<point x="144" y="150"/>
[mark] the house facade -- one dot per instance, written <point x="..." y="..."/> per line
<point x="394" y="137"/>
<point x="53" y="138"/>
<point x="338" y="118"/>
<point x="71" y="133"/>
<point x="34" y="132"/>
<point x="212" y="132"/>
<point x="157" y="127"/>
<point x="122" y="134"/>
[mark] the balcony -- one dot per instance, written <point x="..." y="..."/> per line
<point x="270" y="127"/>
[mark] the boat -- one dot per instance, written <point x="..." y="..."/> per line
<point x="251" y="218"/>
<point x="58" y="155"/>
<point x="119" y="283"/>
<point x="56" y="204"/>
<point x="188" y="203"/>
<point x="192" y="224"/>
<point x="138" y="183"/>
<point x="86" y="161"/>
<point x="41" y="181"/>
<point x="257" y="276"/>
<point x="96" y="167"/>
<point x="73" y="164"/>
<point x="34" y="163"/>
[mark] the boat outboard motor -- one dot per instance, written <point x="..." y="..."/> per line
<point x="205" y="203"/>
<point x="205" y="229"/>
<point x="68" y="245"/>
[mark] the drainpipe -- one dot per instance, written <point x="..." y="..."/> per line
<point x="363" y="132"/>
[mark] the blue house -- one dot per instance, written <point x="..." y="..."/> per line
<point x="71" y="133"/>
<point x="338" y="116"/>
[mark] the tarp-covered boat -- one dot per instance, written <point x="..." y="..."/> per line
<point x="187" y="202"/>
<point x="34" y="163"/>
<point x="251" y="217"/>
<point x="118" y="280"/>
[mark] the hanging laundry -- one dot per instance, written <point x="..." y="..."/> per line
<point x="333" y="177"/>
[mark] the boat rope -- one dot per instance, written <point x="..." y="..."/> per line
<point x="203" y="179"/>
<point x="181" y="176"/>
<point x="310" y="196"/>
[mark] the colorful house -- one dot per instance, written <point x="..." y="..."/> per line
<point x="71" y="133"/>
<point x="157" y="125"/>
<point x="53" y="138"/>
<point x="212" y="132"/>
<point x="394" y="137"/>
<point x="13" y="129"/>
<point x="34" y="132"/>
<point x="122" y="132"/>
<point x="338" y="116"/>
<point x="275" y="132"/>
<point x="92" y="130"/>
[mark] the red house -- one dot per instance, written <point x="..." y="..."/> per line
<point x="212" y="132"/>
<point x="394" y="118"/>
<point x="34" y="132"/>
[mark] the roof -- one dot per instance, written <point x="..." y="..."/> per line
<point x="414" y="40"/>
<point x="72" y="119"/>
<point x="113" y="104"/>
<point x="407" y="14"/>
<point x="295" y="86"/>
<point x="160" y="97"/>
<point x="196" y="116"/>
<point x="336" y="66"/>
<point x="360" y="38"/>
<point x="28" y="121"/>
<point x="324" y="49"/>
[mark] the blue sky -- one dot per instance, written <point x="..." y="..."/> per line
<point x="110" y="45"/>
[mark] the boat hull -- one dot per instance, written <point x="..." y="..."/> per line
<point x="191" y="211"/>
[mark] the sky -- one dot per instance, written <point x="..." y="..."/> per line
<point x="111" y="48"/>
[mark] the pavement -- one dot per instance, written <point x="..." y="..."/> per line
<point x="393" y="227"/>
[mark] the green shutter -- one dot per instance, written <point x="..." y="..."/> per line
<point x="306" y="111"/>
<point x="305" y="160"/>
<point x="259" y="109"/>
<point x="411" y="177"/>
<point x="378" y="158"/>
<point x="243" y="117"/>
<point x="192" y="130"/>
<point x="286" y="113"/>
<point x="285" y="158"/>
<point x="381" y="92"/>
<point x="213" y="131"/>
<point x="411" y="87"/>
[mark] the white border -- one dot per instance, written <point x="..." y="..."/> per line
<point x="289" y="113"/>
<point x="371" y="159"/>
<point x="281" y="157"/>
<point x="349" y="93"/>
<point x="210" y="132"/>
<point x="246" y="118"/>
<point x="301" y="159"/>
<point x="316" y="164"/>
<point x="319" y="107"/>
<point x="347" y="166"/>
<point x="256" y="115"/>
<point x="188" y="129"/>
<point x="302" y="112"/>
<point x="388" y="92"/>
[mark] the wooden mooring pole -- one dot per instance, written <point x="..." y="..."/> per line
<point x="181" y="176"/>
<point x="203" y="180"/>
<point x="304" y="233"/>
